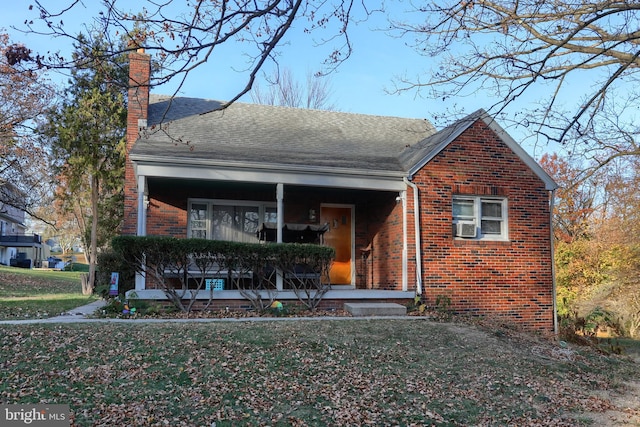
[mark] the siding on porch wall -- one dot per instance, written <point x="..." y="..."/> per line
<point x="509" y="280"/>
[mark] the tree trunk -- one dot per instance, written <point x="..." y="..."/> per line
<point x="86" y="288"/>
<point x="93" y="247"/>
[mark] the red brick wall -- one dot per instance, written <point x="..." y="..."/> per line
<point x="387" y="253"/>
<point x="167" y="215"/>
<point x="510" y="280"/>
<point x="138" y="104"/>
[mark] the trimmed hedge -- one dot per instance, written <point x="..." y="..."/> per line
<point x="304" y="267"/>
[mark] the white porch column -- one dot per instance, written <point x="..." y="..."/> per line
<point x="142" y="223"/>
<point x="416" y="220"/>
<point x="279" y="226"/>
<point x="142" y="206"/>
<point x="280" y="211"/>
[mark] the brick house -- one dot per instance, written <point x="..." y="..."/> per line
<point x="461" y="213"/>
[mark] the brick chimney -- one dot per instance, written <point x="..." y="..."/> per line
<point x="138" y="106"/>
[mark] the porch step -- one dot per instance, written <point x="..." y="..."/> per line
<point x="375" y="309"/>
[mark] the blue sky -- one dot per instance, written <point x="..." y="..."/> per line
<point x="358" y="84"/>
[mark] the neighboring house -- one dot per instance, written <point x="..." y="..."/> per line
<point x="17" y="248"/>
<point x="459" y="215"/>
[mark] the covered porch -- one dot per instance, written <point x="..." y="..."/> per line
<point x="366" y="220"/>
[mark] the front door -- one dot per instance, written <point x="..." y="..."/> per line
<point x="340" y="237"/>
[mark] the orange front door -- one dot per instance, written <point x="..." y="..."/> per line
<point x="339" y="236"/>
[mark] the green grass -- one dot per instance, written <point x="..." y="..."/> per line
<point x="26" y="294"/>
<point x="78" y="267"/>
<point x="312" y="373"/>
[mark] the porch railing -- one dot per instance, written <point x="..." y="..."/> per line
<point x="20" y="238"/>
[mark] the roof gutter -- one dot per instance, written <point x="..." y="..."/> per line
<point x="416" y="219"/>
<point x="274" y="167"/>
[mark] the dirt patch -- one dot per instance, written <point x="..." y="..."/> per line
<point x="626" y="402"/>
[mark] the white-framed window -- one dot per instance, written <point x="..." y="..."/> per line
<point x="230" y="220"/>
<point x="480" y="218"/>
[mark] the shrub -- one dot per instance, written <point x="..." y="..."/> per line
<point x="108" y="262"/>
<point x="443" y="308"/>
<point x="584" y="330"/>
<point x="191" y="261"/>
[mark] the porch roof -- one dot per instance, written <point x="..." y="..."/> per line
<point x="186" y="130"/>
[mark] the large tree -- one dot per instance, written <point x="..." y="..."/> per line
<point x="183" y="36"/>
<point x="597" y="229"/>
<point x="568" y="68"/>
<point x="584" y="55"/>
<point x="578" y="200"/>
<point x="24" y="96"/>
<point x="87" y="137"/>
<point x="284" y="90"/>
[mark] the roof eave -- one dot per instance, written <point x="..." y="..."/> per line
<point x="159" y="166"/>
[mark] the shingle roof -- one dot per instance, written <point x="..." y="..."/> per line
<point x="194" y="129"/>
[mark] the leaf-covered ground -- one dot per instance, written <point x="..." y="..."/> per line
<point x="33" y="294"/>
<point x="311" y="372"/>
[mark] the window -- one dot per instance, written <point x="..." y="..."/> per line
<point x="480" y="218"/>
<point x="198" y="220"/>
<point x="230" y="220"/>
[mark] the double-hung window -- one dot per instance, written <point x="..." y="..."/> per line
<point x="481" y="218"/>
<point x="229" y="220"/>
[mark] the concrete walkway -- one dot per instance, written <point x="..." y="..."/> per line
<point x="78" y="314"/>
<point x="82" y="315"/>
<point x="83" y="311"/>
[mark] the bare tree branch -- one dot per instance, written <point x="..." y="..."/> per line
<point x="183" y="37"/>
<point x="284" y="90"/>
<point x="585" y="56"/>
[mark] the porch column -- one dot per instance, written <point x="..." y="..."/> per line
<point x="142" y="223"/>
<point x="279" y="226"/>
<point x="142" y="206"/>
<point x="280" y="211"/>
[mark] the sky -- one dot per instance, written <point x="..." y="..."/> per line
<point x="358" y="86"/>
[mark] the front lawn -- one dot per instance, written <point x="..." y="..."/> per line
<point x="28" y="294"/>
<point x="311" y="373"/>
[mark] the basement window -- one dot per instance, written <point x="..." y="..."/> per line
<point x="480" y="218"/>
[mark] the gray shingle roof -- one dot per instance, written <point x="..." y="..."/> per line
<point x="193" y="129"/>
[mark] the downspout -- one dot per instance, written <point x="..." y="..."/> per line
<point x="416" y="219"/>
<point x="553" y="263"/>
<point x="405" y="243"/>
